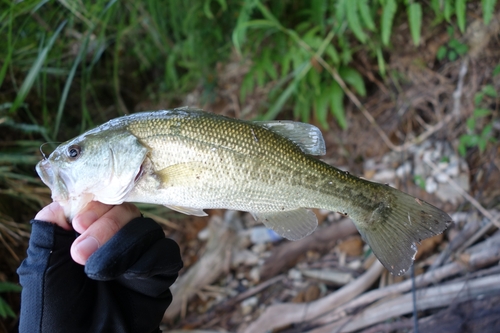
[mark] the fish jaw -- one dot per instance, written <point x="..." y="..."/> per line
<point x="50" y="177"/>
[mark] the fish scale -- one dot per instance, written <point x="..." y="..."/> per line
<point x="190" y="160"/>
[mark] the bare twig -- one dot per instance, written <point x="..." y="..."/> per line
<point x="457" y="94"/>
<point x="429" y="298"/>
<point x="285" y="314"/>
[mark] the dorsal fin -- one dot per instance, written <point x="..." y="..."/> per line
<point x="308" y="137"/>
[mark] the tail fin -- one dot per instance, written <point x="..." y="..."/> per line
<point x="393" y="229"/>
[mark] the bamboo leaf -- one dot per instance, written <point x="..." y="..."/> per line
<point x="388" y="12"/>
<point x="448" y="9"/>
<point x="353" y="20"/>
<point x="488" y="10"/>
<point x="364" y="11"/>
<point x="460" y="13"/>
<point x="352" y="76"/>
<point x="321" y="107"/>
<point x="380" y="61"/>
<point x="337" y="105"/>
<point x="415" y="21"/>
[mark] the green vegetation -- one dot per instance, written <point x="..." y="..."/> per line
<point x="5" y="309"/>
<point x="480" y="123"/>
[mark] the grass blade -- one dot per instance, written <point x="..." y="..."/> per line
<point x="34" y="70"/>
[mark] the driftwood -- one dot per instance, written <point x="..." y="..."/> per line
<point x="222" y="242"/>
<point x="323" y="240"/>
<point x="336" y="311"/>
<point x="429" y="298"/>
<point x="281" y="315"/>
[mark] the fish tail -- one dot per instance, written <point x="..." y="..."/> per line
<point x="397" y="223"/>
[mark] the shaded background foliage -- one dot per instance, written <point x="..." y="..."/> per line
<point x="67" y="66"/>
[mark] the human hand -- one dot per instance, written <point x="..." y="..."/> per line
<point x="97" y="223"/>
<point x="124" y="285"/>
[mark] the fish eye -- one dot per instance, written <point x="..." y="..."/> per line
<point x="74" y="151"/>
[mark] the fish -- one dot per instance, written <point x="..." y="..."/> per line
<point x="190" y="160"/>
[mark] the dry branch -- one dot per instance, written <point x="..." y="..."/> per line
<point x="429" y="298"/>
<point x="286" y="255"/>
<point x="483" y="254"/>
<point x="223" y="240"/>
<point x="281" y="315"/>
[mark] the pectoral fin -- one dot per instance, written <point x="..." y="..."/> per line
<point x="181" y="174"/>
<point x="188" y="210"/>
<point x="290" y="224"/>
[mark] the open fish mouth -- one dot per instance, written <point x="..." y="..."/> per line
<point x="44" y="170"/>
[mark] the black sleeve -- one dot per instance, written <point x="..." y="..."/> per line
<point x="124" y="287"/>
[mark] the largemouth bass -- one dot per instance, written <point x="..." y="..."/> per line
<point x="191" y="160"/>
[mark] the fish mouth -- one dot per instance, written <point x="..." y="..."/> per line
<point x="45" y="172"/>
<point x="50" y="178"/>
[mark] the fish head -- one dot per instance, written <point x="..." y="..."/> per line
<point x="96" y="166"/>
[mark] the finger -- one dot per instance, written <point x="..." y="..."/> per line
<point x="90" y="213"/>
<point x="102" y="230"/>
<point x="53" y="213"/>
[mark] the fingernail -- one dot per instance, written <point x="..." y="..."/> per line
<point x="86" y="247"/>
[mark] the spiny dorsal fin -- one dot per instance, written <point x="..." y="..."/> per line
<point x="290" y="224"/>
<point x="308" y="137"/>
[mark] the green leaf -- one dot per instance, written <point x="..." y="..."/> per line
<point x="321" y="107"/>
<point x="460" y="13"/>
<point x="415" y="21"/>
<point x="364" y="11"/>
<point x="452" y="55"/>
<point x="278" y="105"/>
<point x="388" y="12"/>
<point x="352" y="76"/>
<point x="340" y="9"/>
<point x="486" y="132"/>
<point x="420" y="181"/>
<point x="353" y="20"/>
<point x="441" y="52"/>
<point x="488" y="10"/>
<point x="471" y="123"/>
<point x="490" y="90"/>
<point x="481" y="143"/>
<point x="381" y="61"/>
<point x="448" y="9"/>
<point x="9" y="287"/>
<point x="337" y="104"/>
<point x="496" y="70"/>
<point x="478" y="98"/>
<point x="478" y="113"/>
<point x="332" y="52"/>
<point x="5" y="310"/>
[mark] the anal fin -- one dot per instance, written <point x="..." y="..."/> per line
<point x="290" y="224"/>
<point x="188" y="210"/>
